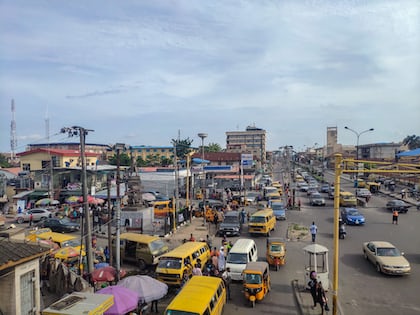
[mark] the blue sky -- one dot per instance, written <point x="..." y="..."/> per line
<point x="140" y="72"/>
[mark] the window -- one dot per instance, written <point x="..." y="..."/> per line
<point x="26" y="167"/>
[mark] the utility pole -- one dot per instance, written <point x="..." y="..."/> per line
<point x="82" y="132"/>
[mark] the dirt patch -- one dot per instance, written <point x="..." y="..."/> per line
<point x="297" y="232"/>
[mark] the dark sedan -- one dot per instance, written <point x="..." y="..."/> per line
<point x="398" y="205"/>
<point x="63" y="225"/>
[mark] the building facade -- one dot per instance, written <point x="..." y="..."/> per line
<point x="252" y="141"/>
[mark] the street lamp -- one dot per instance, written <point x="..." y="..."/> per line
<point x="358" y="134"/>
<point x="203" y="183"/>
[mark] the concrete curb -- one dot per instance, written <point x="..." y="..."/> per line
<point x="298" y="298"/>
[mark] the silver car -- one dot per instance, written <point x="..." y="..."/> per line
<point x="38" y="214"/>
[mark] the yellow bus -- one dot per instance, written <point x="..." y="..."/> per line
<point x="262" y="222"/>
<point x="347" y="199"/>
<point x="176" y="265"/>
<point x="163" y="208"/>
<point x="201" y="295"/>
<point x="62" y="240"/>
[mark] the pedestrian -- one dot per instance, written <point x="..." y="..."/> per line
<point x="243" y="216"/>
<point x="312" y="287"/>
<point x="228" y="280"/>
<point x="197" y="271"/>
<point x="208" y="240"/>
<point x="31" y="217"/>
<point x="221" y="261"/>
<point x="192" y="239"/>
<point x="154" y="306"/>
<point x="321" y="297"/>
<point x="403" y="194"/>
<point x="395" y="216"/>
<point x="215" y="262"/>
<point x="313" y="229"/>
<point x="248" y="216"/>
<point x="214" y="252"/>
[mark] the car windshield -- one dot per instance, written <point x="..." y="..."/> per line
<point x="72" y="243"/>
<point x="353" y="212"/>
<point x="253" y="278"/>
<point x="255" y="219"/>
<point x="388" y="251"/>
<point x="236" y="258"/>
<point x="65" y="221"/>
<point x="156" y="245"/>
<point x="276" y="248"/>
<point x="171" y="263"/>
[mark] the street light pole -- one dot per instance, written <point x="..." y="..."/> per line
<point x="358" y="134"/>
<point x="203" y="184"/>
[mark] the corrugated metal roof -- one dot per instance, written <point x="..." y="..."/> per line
<point x="12" y="254"/>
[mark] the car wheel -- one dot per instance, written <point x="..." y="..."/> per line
<point x="43" y="218"/>
<point x="378" y="268"/>
<point x="20" y="220"/>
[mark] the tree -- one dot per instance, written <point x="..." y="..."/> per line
<point x="4" y="162"/>
<point x="182" y="147"/>
<point x="125" y="159"/>
<point x="213" y="147"/>
<point x="413" y="142"/>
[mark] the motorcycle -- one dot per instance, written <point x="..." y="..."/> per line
<point x="342" y="231"/>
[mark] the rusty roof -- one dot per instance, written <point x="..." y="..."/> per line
<point x="16" y="253"/>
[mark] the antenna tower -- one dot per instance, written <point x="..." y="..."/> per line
<point x="13" y="139"/>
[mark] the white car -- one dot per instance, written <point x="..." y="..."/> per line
<point x="363" y="193"/>
<point x="386" y="258"/>
<point x="38" y="214"/>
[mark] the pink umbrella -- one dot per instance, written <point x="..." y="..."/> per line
<point x="125" y="300"/>
<point x="92" y="200"/>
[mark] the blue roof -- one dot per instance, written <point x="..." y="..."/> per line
<point x="414" y="152"/>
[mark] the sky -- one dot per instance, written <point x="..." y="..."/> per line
<point x="146" y="72"/>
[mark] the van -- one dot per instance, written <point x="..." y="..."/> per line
<point x="242" y="252"/>
<point x="262" y="222"/>
<point x="142" y="249"/>
<point x="231" y="224"/>
<point x="176" y="265"/>
<point x="163" y="208"/>
<point x="271" y="192"/>
<point x="62" y="240"/>
<point x="201" y="295"/>
<point x="347" y="199"/>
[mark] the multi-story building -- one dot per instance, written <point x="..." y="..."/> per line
<point x="252" y="141"/>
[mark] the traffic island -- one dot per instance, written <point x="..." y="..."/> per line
<point x="297" y="232"/>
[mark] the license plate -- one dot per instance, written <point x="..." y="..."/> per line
<point x="357" y="221"/>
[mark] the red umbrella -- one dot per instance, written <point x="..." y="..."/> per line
<point x="106" y="274"/>
<point x="92" y="200"/>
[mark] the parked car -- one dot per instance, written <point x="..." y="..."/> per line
<point x="304" y="187"/>
<point x="37" y="215"/>
<point x="63" y="225"/>
<point x="316" y="199"/>
<point x="253" y="197"/>
<point x="363" y="193"/>
<point x="352" y="216"/>
<point x="398" y="205"/>
<point x="212" y="203"/>
<point x="331" y="193"/>
<point x="386" y="257"/>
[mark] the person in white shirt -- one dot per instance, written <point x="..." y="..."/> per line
<point x="313" y="229"/>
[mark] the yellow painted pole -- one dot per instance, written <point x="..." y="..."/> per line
<point x="338" y="161"/>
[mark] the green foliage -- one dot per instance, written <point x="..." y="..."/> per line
<point x="125" y="159"/>
<point x="182" y="147"/>
<point x="213" y="147"/>
<point x="4" y="162"/>
<point x="413" y="142"/>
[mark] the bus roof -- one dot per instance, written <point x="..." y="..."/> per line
<point x="196" y="294"/>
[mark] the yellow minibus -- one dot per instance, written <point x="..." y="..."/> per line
<point x="201" y="295"/>
<point x="347" y="199"/>
<point x="262" y="222"/>
<point x="176" y="265"/>
<point x="163" y="208"/>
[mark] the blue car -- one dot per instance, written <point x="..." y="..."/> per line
<point x="279" y="210"/>
<point x="352" y="216"/>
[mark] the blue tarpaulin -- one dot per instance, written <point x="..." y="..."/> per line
<point x="414" y="152"/>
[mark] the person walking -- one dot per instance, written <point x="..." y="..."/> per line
<point x="321" y="297"/>
<point x="31" y="217"/>
<point x="312" y="287"/>
<point x="243" y="216"/>
<point x="221" y="260"/>
<point x="313" y="229"/>
<point x="228" y="280"/>
<point x="197" y="271"/>
<point x="395" y="216"/>
<point x="154" y="306"/>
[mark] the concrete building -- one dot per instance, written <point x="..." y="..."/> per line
<point x="252" y="140"/>
<point x="380" y="151"/>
